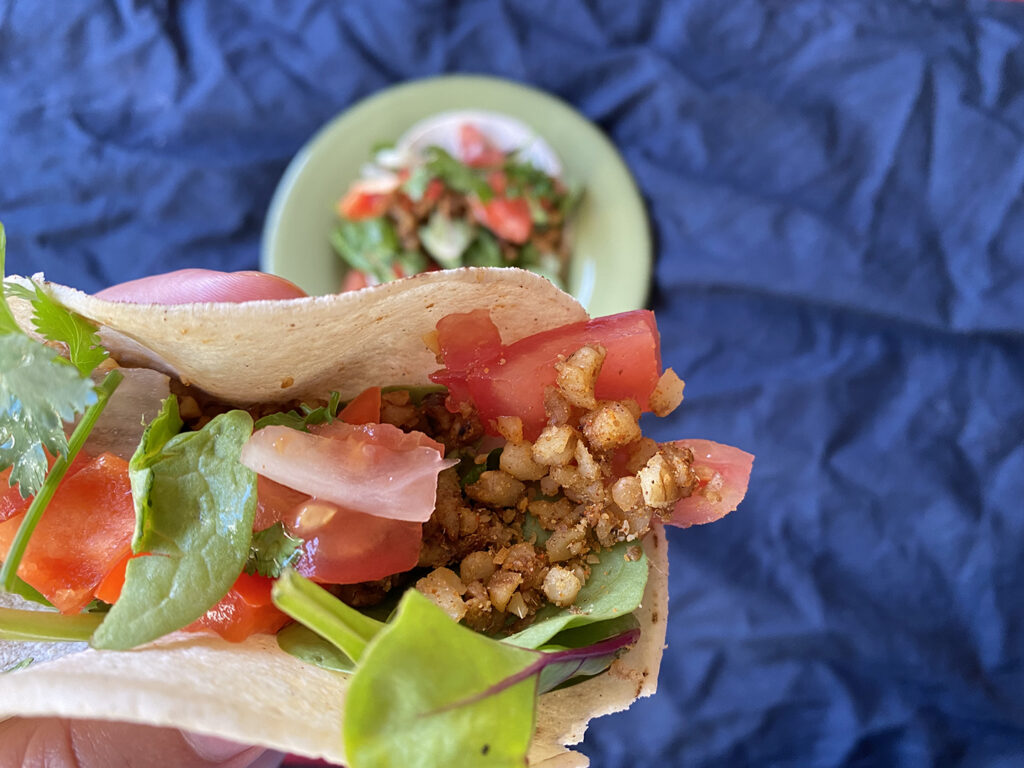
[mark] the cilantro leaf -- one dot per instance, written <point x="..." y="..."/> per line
<point x="526" y="180"/>
<point x="57" y="323"/>
<point x="302" y="421"/>
<point x="272" y="550"/>
<point x="36" y="396"/>
<point x="456" y="175"/>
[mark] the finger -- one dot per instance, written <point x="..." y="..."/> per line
<point x="63" y="743"/>
<point x="195" y="285"/>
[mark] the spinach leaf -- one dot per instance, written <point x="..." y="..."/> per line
<point x="416" y="697"/>
<point x="484" y="251"/>
<point x="195" y="504"/>
<point x="446" y="239"/>
<point x="272" y="550"/>
<point x="615" y="588"/>
<point x="303" y="643"/>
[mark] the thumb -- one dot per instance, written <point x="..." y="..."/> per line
<point x="196" y="285"/>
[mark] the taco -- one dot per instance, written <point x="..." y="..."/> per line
<point x="535" y="461"/>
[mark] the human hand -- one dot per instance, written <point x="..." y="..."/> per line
<point x="63" y="743"/>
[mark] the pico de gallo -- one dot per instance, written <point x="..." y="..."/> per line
<point x="493" y="494"/>
<point x="412" y="213"/>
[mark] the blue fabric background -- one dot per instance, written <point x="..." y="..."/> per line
<point x="835" y="192"/>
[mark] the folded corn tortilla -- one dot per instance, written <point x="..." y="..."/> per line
<point x="278" y="351"/>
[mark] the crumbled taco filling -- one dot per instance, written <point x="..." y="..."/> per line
<point x="517" y="526"/>
<point x="523" y="534"/>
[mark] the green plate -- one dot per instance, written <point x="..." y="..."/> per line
<point x="611" y="244"/>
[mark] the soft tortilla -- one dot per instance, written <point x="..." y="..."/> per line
<point x="275" y="351"/>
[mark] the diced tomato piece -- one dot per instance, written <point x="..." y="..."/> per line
<point x="347" y="547"/>
<point x="433" y="192"/>
<point x="253" y="589"/>
<point x="341" y="546"/>
<point x="498" y="182"/>
<point x="110" y="588"/>
<point x="244" y="611"/>
<point x="724" y="473"/>
<point x="507" y="217"/>
<point x="358" y="204"/>
<point x="271" y="500"/>
<point x="470" y="336"/>
<point x="11" y="502"/>
<point x="364" y="408"/>
<point x="92" y="508"/>
<point x="511" y="381"/>
<point x="354" y="281"/>
<point x="476" y="149"/>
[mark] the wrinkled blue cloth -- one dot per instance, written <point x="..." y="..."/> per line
<point x="835" y="193"/>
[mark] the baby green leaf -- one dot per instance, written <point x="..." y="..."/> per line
<point x="19" y="624"/>
<point x="272" y="550"/>
<point x="36" y="396"/>
<point x="348" y="629"/>
<point x="615" y="588"/>
<point x="303" y="643"/>
<point x="195" y="513"/>
<point x="415" y="698"/>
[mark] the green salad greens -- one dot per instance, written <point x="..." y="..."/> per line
<point x="442" y="212"/>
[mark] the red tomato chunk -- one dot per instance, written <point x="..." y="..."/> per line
<point x="245" y="610"/>
<point x="92" y="508"/>
<point x="509" y="380"/>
